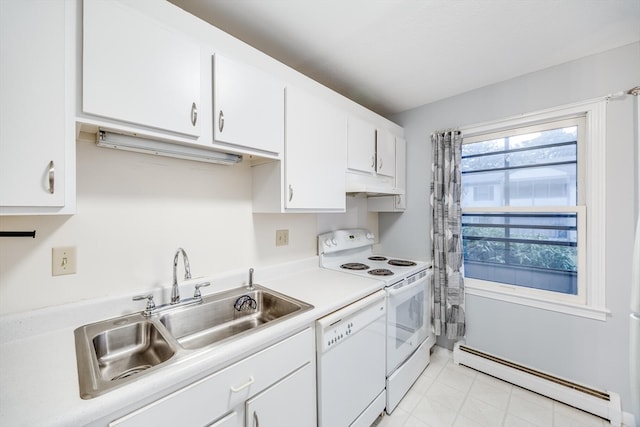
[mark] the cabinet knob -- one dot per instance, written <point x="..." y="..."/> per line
<point x="221" y="121"/>
<point x="194" y="114"/>
<point x="52" y="177"/>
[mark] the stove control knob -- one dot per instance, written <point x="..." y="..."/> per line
<point x="370" y="236"/>
<point x="334" y="242"/>
<point x="327" y="242"/>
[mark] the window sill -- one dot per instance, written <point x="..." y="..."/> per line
<point x="595" y="313"/>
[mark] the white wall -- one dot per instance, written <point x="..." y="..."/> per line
<point x="135" y="210"/>
<point x="589" y="351"/>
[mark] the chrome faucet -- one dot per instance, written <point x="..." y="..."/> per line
<point x="175" y="301"/>
<point x="175" y="291"/>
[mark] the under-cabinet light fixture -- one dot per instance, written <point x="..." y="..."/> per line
<point x="162" y="148"/>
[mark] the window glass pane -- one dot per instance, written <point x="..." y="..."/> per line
<point x="534" y="169"/>
<point x="535" y="250"/>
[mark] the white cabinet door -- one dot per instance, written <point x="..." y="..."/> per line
<point x="33" y="105"/>
<point x="214" y="398"/>
<point x="315" y="154"/>
<point x="288" y="403"/>
<point x="361" y="146"/>
<point x="248" y="107"/>
<point x="386" y="153"/>
<point x="138" y="70"/>
<point x="398" y="202"/>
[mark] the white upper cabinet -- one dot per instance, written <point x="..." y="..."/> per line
<point x="361" y="146"/>
<point x="37" y="146"/>
<point x="371" y="159"/>
<point x="248" y="108"/>
<point x="398" y="201"/>
<point x="310" y="178"/>
<point x="385" y="153"/>
<point x="138" y="70"/>
<point x="315" y="153"/>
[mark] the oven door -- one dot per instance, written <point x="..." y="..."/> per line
<point x="407" y="318"/>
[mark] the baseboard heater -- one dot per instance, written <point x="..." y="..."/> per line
<point x="601" y="403"/>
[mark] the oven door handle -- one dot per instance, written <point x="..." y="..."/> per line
<point x="406" y="288"/>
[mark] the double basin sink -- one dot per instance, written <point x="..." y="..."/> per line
<point x="117" y="351"/>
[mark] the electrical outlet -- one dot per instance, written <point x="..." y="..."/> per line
<point x="64" y="261"/>
<point x="282" y="237"/>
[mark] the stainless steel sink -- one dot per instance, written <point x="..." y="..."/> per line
<point x="130" y="349"/>
<point x="117" y="351"/>
<point x="228" y="314"/>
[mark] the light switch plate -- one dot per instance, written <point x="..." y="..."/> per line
<point x="64" y="260"/>
<point x="282" y="237"/>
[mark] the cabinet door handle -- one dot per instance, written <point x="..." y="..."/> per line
<point x="256" y="421"/>
<point x="221" y="121"/>
<point x="194" y="114"/>
<point x="243" y="386"/>
<point x="379" y="163"/>
<point x="290" y="192"/>
<point x="373" y="161"/>
<point x="52" y="177"/>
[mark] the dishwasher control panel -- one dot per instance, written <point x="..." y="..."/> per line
<point x="340" y="325"/>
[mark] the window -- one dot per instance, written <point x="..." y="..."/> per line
<point x="527" y="185"/>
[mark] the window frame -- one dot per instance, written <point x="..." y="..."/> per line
<point x="590" y="209"/>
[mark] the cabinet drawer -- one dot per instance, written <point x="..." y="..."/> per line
<point x="211" y="397"/>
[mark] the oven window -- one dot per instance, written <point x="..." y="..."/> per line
<point x="409" y="318"/>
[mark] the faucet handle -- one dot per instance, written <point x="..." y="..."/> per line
<point x="150" y="304"/>
<point x="197" y="293"/>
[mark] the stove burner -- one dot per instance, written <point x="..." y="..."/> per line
<point x="354" y="266"/>
<point x="377" y="258"/>
<point x="401" y="263"/>
<point x="380" y="272"/>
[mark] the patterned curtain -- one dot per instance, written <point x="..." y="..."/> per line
<point x="447" y="283"/>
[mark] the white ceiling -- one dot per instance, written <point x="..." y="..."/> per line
<point x="394" y="55"/>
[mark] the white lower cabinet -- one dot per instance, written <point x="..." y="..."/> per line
<point x="260" y="387"/>
<point x="267" y="409"/>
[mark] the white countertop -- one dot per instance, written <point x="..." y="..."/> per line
<point x="38" y="373"/>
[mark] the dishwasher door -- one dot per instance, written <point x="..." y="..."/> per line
<point x="351" y="362"/>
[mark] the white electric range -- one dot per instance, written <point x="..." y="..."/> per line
<point x="406" y="283"/>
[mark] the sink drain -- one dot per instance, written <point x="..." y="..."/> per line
<point x="130" y="372"/>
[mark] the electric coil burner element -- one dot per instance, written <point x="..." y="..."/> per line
<point x="401" y="263"/>
<point x="380" y="272"/>
<point x="377" y="258"/>
<point x="354" y="266"/>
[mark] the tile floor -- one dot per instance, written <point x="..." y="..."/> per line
<point x="450" y="395"/>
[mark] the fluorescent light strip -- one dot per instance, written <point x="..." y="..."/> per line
<point x="161" y="148"/>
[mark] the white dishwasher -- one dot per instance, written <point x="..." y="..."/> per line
<point x="351" y="363"/>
